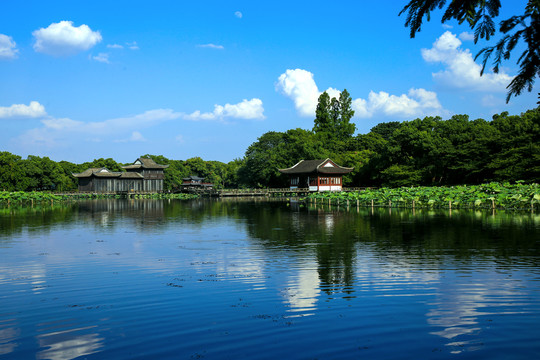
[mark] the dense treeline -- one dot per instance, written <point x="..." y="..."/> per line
<point x="41" y="173"/>
<point x="428" y="151"/>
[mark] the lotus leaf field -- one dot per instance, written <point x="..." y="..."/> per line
<point x="517" y="196"/>
<point x="37" y="196"/>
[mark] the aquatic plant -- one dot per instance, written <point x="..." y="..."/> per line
<point x="490" y="195"/>
<point x="37" y="196"/>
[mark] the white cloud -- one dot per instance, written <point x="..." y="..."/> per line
<point x="62" y="39"/>
<point x="61" y="124"/>
<point x="333" y="93"/>
<point x="34" y="110"/>
<point x="112" y="126"/>
<point x="146" y="119"/>
<point x="446" y="26"/>
<point x="238" y="14"/>
<point x="211" y="46"/>
<point x="180" y="138"/>
<point x="66" y="132"/>
<point x="132" y="45"/>
<point x="8" y="47"/>
<point x="115" y="46"/>
<point x="461" y="71"/>
<point x="102" y="57"/>
<point x="466" y="36"/>
<point x="300" y="86"/>
<point x="360" y="107"/>
<point x="416" y="103"/>
<point x="247" y="109"/>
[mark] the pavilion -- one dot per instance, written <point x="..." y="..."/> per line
<point x="317" y="175"/>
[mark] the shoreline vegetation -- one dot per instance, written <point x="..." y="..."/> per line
<point x="493" y="195"/>
<point x="8" y="197"/>
<point x="504" y="196"/>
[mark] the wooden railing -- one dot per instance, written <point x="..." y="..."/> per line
<point x="260" y="192"/>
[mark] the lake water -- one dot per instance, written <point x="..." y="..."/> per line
<point x="254" y="279"/>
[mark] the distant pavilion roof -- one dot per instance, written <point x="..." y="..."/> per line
<point x="144" y="163"/>
<point x="325" y="166"/>
<point x="192" y="177"/>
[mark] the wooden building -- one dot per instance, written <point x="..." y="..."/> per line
<point x="102" y="180"/>
<point x="317" y="175"/>
<point x="144" y="175"/>
<point x="195" y="182"/>
<point x="151" y="171"/>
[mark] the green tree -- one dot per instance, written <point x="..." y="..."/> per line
<point x="230" y="177"/>
<point x="479" y="15"/>
<point x="10" y="171"/>
<point x="262" y="160"/>
<point x="386" y="130"/>
<point x="174" y="174"/>
<point x="32" y="173"/>
<point x="196" y="166"/>
<point x="216" y="173"/>
<point x="108" y="163"/>
<point x="473" y="153"/>
<point x="358" y="160"/>
<point x="400" y="175"/>
<point x="344" y="126"/>
<point x="332" y="122"/>
<point x="159" y="159"/>
<point x="69" y="182"/>
<point x="519" y="142"/>
<point x="324" y="121"/>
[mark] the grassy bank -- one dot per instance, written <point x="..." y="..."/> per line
<point x="487" y="196"/>
<point x="37" y="196"/>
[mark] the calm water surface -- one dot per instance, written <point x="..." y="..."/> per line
<point x="140" y="279"/>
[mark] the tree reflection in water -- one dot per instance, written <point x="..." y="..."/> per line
<point x="450" y="271"/>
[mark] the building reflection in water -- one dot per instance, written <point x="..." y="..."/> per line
<point x="105" y="212"/>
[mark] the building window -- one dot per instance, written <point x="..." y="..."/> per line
<point x="323" y="181"/>
<point x="294" y="181"/>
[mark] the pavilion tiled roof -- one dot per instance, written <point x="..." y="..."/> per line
<point x="193" y="177"/>
<point x="105" y="173"/>
<point x="316" y="166"/>
<point x="131" y="175"/>
<point x="88" y="172"/>
<point x="145" y="163"/>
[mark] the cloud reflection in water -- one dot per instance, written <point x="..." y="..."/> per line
<point x="69" y="344"/>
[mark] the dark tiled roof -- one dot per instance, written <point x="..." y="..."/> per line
<point x="131" y="175"/>
<point x="88" y="172"/>
<point x="105" y="173"/>
<point x="316" y="166"/>
<point x="145" y="163"/>
<point x="192" y="177"/>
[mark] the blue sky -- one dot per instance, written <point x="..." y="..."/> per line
<point x="119" y="79"/>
